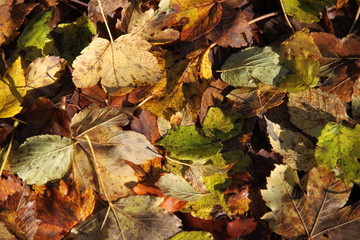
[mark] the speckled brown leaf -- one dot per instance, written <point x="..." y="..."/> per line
<point x="310" y="209"/>
<point x="310" y="110"/>
<point x="255" y="101"/>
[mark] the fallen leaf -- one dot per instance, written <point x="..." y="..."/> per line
<point x="306" y="10"/>
<point x="177" y="187"/>
<point x="262" y="64"/>
<point x="241" y="227"/>
<point x="312" y="214"/>
<point x="12" y="90"/>
<point x="9" y="185"/>
<point x="5" y="233"/>
<point x="112" y="146"/>
<point x="194" y="235"/>
<point x="197" y="17"/>
<point x="133" y="217"/>
<point x="12" y="17"/>
<point x="171" y="204"/>
<point x="36" y="40"/>
<point x="310" y="110"/>
<point x="146" y="124"/>
<point x="123" y="63"/>
<point x="186" y="143"/>
<point x="43" y="158"/>
<point x="78" y="207"/>
<point x="297" y="150"/>
<point x="211" y="97"/>
<point x="336" y="150"/>
<point x="108" y="8"/>
<point x="252" y="102"/>
<point x="233" y="30"/>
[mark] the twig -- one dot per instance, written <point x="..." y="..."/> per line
<point x="264" y="17"/>
<point x="355" y="20"/>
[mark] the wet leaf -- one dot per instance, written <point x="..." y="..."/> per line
<point x="297" y="150"/>
<point x="112" y="146"/>
<point x="36" y="39"/>
<point x="313" y="214"/>
<point x="262" y="64"/>
<point x="221" y="127"/>
<point x="337" y="150"/>
<point x="306" y="11"/>
<point x="43" y="158"/>
<point x="177" y="187"/>
<point x="311" y="110"/>
<point x="197" y="17"/>
<point x="134" y="217"/>
<point x="114" y="64"/>
<point x="186" y="143"/>
<point x="12" y="90"/>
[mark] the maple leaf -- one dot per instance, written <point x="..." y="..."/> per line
<point x="114" y="63"/>
<point x="314" y="213"/>
<point x="133" y="217"/>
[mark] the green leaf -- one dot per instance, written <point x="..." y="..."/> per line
<point x="43" y="158"/>
<point x="74" y="37"/>
<point x="186" y="143"/>
<point x="306" y="10"/>
<point x="193" y="235"/>
<point x="35" y="39"/>
<point x="135" y="217"/>
<point x="338" y="149"/>
<point x="218" y="126"/>
<point x="12" y="89"/>
<point x="177" y="187"/>
<point x="262" y="64"/>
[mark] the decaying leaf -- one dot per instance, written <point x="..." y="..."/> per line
<point x="262" y="64"/>
<point x="112" y="146"/>
<point x="177" y="187"/>
<point x="251" y="101"/>
<point x="310" y="210"/>
<point x="43" y="158"/>
<point x="12" y="90"/>
<point x="134" y="217"/>
<point x="296" y="149"/>
<point x="337" y="150"/>
<point x="113" y="64"/>
<point x="310" y="110"/>
<point x="186" y="143"/>
<point x="197" y="17"/>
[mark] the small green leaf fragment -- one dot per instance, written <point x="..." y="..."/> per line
<point x="186" y="143"/>
<point x="35" y="39"/>
<point x="338" y="149"/>
<point x="218" y="126"/>
<point x="262" y="64"/>
<point x="43" y="158"/>
<point x="177" y="187"/>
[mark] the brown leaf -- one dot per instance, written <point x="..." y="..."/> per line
<point x="109" y="8"/>
<point x="197" y="17"/>
<point x="9" y="185"/>
<point x="12" y="16"/>
<point x="5" y="130"/>
<point x="255" y="101"/>
<point x="171" y="204"/>
<point x="18" y="213"/>
<point x="238" y="228"/>
<point x="44" y="118"/>
<point x="232" y="31"/>
<point x="60" y="209"/>
<point x="146" y="124"/>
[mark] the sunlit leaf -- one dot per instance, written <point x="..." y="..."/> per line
<point x="123" y="63"/>
<point x="177" y="187"/>
<point x="43" y="158"/>
<point x="262" y="64"/>
<point x="186" y="143"/>
<point x="135" y="217"/>
<point x="337" y="149"/>
<point x="12" y="90"/>
<point x="193" y="235"/>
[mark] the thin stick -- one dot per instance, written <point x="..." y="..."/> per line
<point x="286" y="17"/>
<point x="106" y="24"/>
<point x="264" y="17"/>
<point x="355" y="20"/>
<point x="6" y="156"/>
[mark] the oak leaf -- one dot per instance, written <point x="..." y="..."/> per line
<point x="123" y="63"/>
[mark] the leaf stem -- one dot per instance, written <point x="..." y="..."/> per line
<point x="106" y="24"/>
<point x="6" y="156"/>
<point x="264" y="17"/>
<point x="355" y="20"/>
<point x="177" y="161"/>
<point x="286" y="17"/>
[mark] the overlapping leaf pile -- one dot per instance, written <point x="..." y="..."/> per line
<point x="179" y="119"/>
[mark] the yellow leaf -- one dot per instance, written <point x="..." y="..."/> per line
<point x="12" y="90"/>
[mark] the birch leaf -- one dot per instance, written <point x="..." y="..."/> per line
<point x="124" y="63"/>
